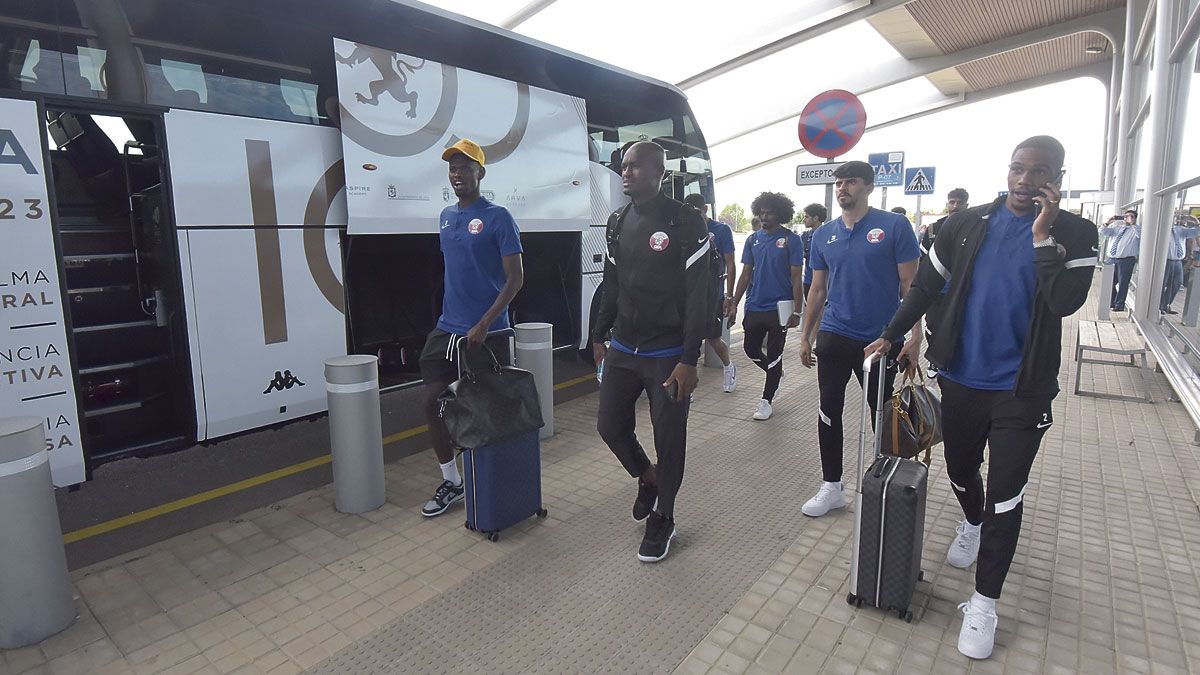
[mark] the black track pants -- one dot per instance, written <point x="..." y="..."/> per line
<point x="837" y="357"/>
<point x="1012" y="428"/>
<point x="764" y="327"/>
<point x="625" y="378"/>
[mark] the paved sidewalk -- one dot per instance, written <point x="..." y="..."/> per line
<point x="1105" y="578"/>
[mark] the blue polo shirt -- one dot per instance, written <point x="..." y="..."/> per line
<point x="773" y="254"/>
<point x="473" y="242"/>
<point x="806" y="238"/>
<point x="863" y="282"/>
<point x="722" y="238"/>
<point x="999" y="306"/>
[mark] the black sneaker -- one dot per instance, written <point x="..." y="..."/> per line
<point x="447" y="494"/>
<point x="660" y="530"/>
<point x="647" y="499"/>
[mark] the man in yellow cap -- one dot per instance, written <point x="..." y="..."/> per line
<point x="481" y="246"/>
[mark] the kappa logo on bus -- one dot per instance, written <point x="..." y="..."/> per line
<point x="875" y="236"/>
<point x="282" y="381"/>
<point x="659" y="241"/>
<point x="475" y="226"/>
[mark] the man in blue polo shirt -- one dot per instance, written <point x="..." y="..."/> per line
<point x="863" y="263"/>
<point x="721" y="238"/>
<point x="481" y="246"/>
<point x="814" y="217"/>
<point x="773" y="268"/>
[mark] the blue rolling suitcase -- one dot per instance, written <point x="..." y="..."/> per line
<point x="503" y="483"/>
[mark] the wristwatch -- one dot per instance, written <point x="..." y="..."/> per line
<point x="1048" y="241"/>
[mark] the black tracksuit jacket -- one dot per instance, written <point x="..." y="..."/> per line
<point x="654" y="296"/>
<point x="1064" y="277"/>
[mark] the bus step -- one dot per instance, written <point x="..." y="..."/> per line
<point x="125" y="365"/>
<point x="79" y="260"/>
<point x="122" y="407"/>
<point x="115" y="326"/>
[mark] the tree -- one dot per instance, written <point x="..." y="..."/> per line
<point x="734" y="216"/>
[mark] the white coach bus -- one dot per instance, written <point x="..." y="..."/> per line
<point x="201" y="200"/>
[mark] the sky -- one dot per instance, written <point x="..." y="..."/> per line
<point x="969" y="145"/>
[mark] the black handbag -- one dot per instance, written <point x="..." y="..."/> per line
<point x="488" y="405"/>
<point x="912" y="421"/>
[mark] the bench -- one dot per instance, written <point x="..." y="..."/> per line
<point x="1107" y="337"/>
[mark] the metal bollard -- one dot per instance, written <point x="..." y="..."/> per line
<point x="36" y="597"/>
<point x="711" y="360"/>
<point x="355" y="432"/>
<point x="534" y="352"/>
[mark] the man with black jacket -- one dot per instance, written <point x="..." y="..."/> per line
<point x="654" y="300"/>
<point x="1015" y="268"/>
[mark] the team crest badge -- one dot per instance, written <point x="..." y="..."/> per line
<point x="781" y="242"/>
<point x="659" y="241"/>
<point x="875" y="236"/>
<point x="475" y="226"/>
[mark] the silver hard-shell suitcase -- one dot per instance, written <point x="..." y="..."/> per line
<point x="889" y="519"/>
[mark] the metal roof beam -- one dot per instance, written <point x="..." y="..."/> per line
<point x="525" y="13"/>
<point x="863" y="9"/>
<point x="1106" y="23"/>
<point x="1097" y="70"/>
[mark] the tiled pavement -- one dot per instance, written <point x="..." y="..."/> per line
<point x="1105" y="578"/>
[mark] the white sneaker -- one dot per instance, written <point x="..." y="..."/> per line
<point x="977" y="637"/>
<point x="764" y="410"/>
<point x="730" y="378"/>
<point x="965" y="547"/>
<point x="830" y="496"/>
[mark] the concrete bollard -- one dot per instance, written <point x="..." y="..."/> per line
<point x="355" y="432"/>
<point x="534" y="352"/>
<point x="36" y="597"/>
<point x="711" y="360"/>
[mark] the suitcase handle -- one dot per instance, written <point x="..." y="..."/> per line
<point x="870" y="364"/>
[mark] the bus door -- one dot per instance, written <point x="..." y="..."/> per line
<point x="121" y="273"/>
<point x="35" y="362"/>
<point x="259" y="206"/>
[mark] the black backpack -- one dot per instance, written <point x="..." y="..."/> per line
<point x="714" y="292"/>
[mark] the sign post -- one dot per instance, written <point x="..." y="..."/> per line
<point x="889" y="171"/>
<point x="919" y="181"/>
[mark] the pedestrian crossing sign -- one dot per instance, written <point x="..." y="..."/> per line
<point x="918" y="180"/>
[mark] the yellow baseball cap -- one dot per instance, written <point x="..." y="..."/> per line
<point x="464" y="147"/>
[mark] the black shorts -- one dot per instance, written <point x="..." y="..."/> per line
<point x="439" y="358"/>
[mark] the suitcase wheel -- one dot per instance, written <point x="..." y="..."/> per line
<point x="542" y="513"/>
<point x="493" y="536"/>
<point x="854" y="600"/>
<point x="468" y="526"/>
<point x="921" y="575"/>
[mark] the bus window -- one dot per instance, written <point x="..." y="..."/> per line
<point x="30" y="63"/>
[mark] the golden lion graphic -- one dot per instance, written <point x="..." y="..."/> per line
<point x="393" y="79"/>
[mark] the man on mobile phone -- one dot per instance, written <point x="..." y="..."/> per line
<point x="1183" y="229"/>
<point x="863" y="262"/>
<point x="1124" y="237"/>
<point x="655" y="303"/>
<point x="1016" y="267"/>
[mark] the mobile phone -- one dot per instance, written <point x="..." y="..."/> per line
<point x="673" y="390"/>
<point x="1058" y="179"/>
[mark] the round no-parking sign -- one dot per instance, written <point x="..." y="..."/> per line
<point x="832" y="123"/>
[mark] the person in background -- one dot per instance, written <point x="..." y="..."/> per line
<point x="773" y="270"/>
<point x="720" y="238"/>
<point x="755" y="224"/>
<point x="1016" y="268"/>
<point x="901" y="210"/>
<point x="1124" y="238"/>
<point x="1184" y="228"/>
<point x="481" y="246"/>
<point x="956" y="201"/>
<point x="814" y="217"/>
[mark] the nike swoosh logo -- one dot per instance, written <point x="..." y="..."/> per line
<point x="1094" y="249"/>
<point x="1043" y="426"/>
<point x="702" y="240"/>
